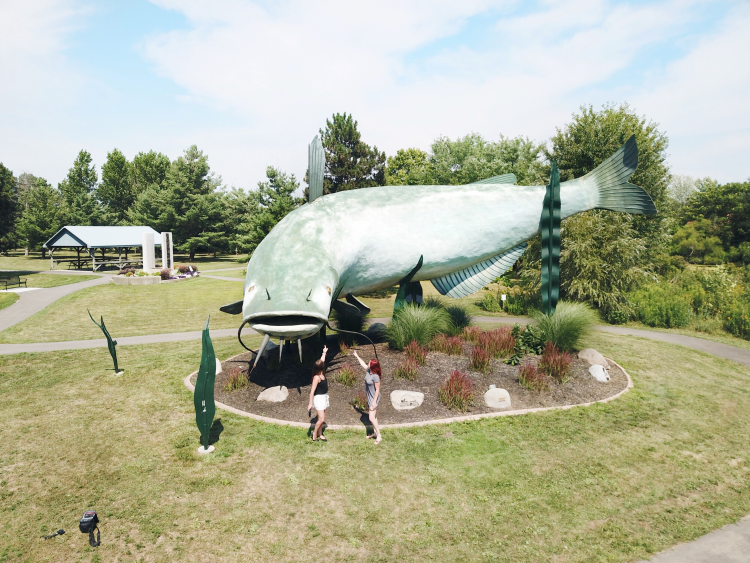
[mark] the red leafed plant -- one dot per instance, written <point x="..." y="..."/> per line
<point x="359" y="402"/>
<point x="532" y="378"/>
<point x="407" y="370"/>
<point x="237" y="379"/>
<point x="479" y="359"/>
<point x="415" y="352"/>
<point x="556" y="363"/>
<point x="457" y="392"/>
<point x="471" y="334"/>
<point x="498" y="342"/>
<point x="451" y="345"/>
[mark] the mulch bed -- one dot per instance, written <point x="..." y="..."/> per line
<point x="581" y="388"/>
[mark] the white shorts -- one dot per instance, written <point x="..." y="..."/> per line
<point x="321" y="402"/>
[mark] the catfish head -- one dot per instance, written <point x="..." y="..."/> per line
<point x="288" y="296"/>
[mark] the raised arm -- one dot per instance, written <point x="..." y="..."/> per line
<point x="363" y="364"/>
<point x="325" y="351"/>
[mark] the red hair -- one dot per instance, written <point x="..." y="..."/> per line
<point x="375" y="367"/>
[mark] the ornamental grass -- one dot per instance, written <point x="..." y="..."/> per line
<point x="471" y="334"/>
<point x="567" y="326"/>
<point x="415" y="352"/>
<point x="359" y="402"/>
<point x="236" y="380"/>
<point x="479" y="359"/>
<point x="451" y="345"/>
<point x="416" y="323"/>
<point x="408" y="370"/>
<point x="346" y="377"/>
<point x="530" y="377"/>
<point x="555" y="363"/>
<point x="457" y="392"/>
<point x="499" y="342"/>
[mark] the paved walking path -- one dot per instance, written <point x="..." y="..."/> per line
<point x="34" y="301"/>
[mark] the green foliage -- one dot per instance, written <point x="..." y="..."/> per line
<point x="149" y="170"/>
<point x="8" y="209"/>
<point x="416" y="323"/>
<point x="408" y="370"/>
<point x="567" y="326"/>
<point x="351" y="323"/>
<point x="460" y="318"/>
<point x="409" y="167"/>
<point x="266" y="207"/>
<point x="472" y="158"/>
<point x="726" y="206"/>
<point x="79" y="192"/>
<point x="359" y="402"/>
<point x="43" y="214"/>
<point x="346" y="376"/>
<point x="491" y="303"/>
<point x="350" y="163"/>
<point x="457" y="392"/>
<point x="116" y="193"/>
<point x="697" y="242"/>
<point x="736" y="319"/>
<point x="660" y="306"/>
<point x="528" y="341"/>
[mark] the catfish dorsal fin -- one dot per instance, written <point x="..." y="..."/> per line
<point x="501" y="179"/>
<point x="315" y="169"/>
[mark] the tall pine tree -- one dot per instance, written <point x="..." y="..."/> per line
<point x="116" y="192"/>
<point x="78" y="190"/>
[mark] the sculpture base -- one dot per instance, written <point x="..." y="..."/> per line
<point x="201" y="450"/>
<point x="119" y="372"/>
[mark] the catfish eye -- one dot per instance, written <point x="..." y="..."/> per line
<point x="328" y="289"/>
<point x="249" y="289"/>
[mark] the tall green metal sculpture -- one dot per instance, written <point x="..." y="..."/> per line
<point x="203" y="398"/>
<point x="550" y="227"/>
<point x="408" y="291"/>
<point x="110" y="343"/>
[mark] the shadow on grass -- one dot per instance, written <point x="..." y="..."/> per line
<point x="214" y="434"/>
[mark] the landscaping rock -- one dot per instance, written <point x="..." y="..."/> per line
<point x="599" y="373"/>
<point x="593" y="357"/>
<point x="497" y="398"/>
<point x="218" y="366"/>
<point x="406" y="400"/>
<point x="274" y="394"/>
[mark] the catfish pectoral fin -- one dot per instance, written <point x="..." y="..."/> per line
<point x="232" y="308"/>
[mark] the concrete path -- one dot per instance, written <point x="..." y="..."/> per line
<point x="730" y="544"/>
<point x="34" y="301"/>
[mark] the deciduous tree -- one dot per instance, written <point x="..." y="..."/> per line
<point x="81" y="206"/>
<point x="43" y="214"/>
<point x="116" y="192"/>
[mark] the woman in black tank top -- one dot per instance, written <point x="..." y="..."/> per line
<point x="319" y="395"/>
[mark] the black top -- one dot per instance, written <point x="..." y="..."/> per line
<point x="322" y="387"/>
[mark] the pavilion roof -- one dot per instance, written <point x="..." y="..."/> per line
<point x="101" y="237"/>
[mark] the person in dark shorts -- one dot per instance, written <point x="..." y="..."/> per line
<point x="319" y="395"/>
<point x="373" y="373"/>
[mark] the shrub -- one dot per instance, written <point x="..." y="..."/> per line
<point x="617" y="316"/>
<point x="359" y="402"/>
<point x="182" y="268"/>
<point x="519" y="303"/>
<point x="529" y="377"/>
<point x="451" y="345"/>
<point x="351" y="323"/>
<point x="346" y="376"/>
<point x="460" y="319"/>
<point x="555" y="363"/>
<point x="457" y="392"/>
<point x="471" y="334"/>
<point x="416" y="323"/>
<point x="529" y="341"/>
<point x="433" y="302"/>
<point x="193" y="266"/>
<point x="569" y="323"/>
<point x="736" y="319"/>
<point x="415" y="353"/>
<point x="236" y="380"/>
<point x="661" y="307"/>
<point x="491" y="303"/>
<point x="165" y="274"/>
<point x="343" y="348"/>
<point x="479" y="359"/>
<point x="126" y="271"/>
<point x="407" y="370"/>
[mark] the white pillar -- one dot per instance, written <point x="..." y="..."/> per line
<point x="148" y="252"/>
<point x="167" y="251"/>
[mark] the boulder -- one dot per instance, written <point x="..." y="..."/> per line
<point x="593" y="357"/>
<point x="406" y="400"/>
<point x="274" y="394"/>
<point x="497" y="398"/>
<point x="218" y="366"/>
<point x="599" y="373"/>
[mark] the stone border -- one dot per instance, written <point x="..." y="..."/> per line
<point x="467" y="418"/>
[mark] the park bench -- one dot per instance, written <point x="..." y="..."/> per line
<point x="12" y="281"/>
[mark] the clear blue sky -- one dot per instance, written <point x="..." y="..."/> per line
<point x="251" y="83"/>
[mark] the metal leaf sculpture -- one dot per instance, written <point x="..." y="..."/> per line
<point x="110" y="343"/>
<point x="406" y="287"/>
<point x="550" y="227"/>
<point x="203" y="398"/>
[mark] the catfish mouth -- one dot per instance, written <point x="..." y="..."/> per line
<point x="286" y="326"/>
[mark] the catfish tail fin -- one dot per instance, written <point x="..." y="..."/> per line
<point x="610" y="182"/>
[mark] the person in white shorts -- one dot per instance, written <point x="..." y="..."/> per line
<point x="319" y="395"/>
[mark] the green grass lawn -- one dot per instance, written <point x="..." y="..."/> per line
<point x="616" y="482"/>
<point x="239" y="274"/>
<point x="7" y="299"/>
<point x="48" y="280"/>
<point x="130" y="311"/>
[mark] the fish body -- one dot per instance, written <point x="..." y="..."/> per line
<point x="358" y="241"/>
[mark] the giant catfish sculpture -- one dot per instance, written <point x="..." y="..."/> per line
<point x="358" y="241"/>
